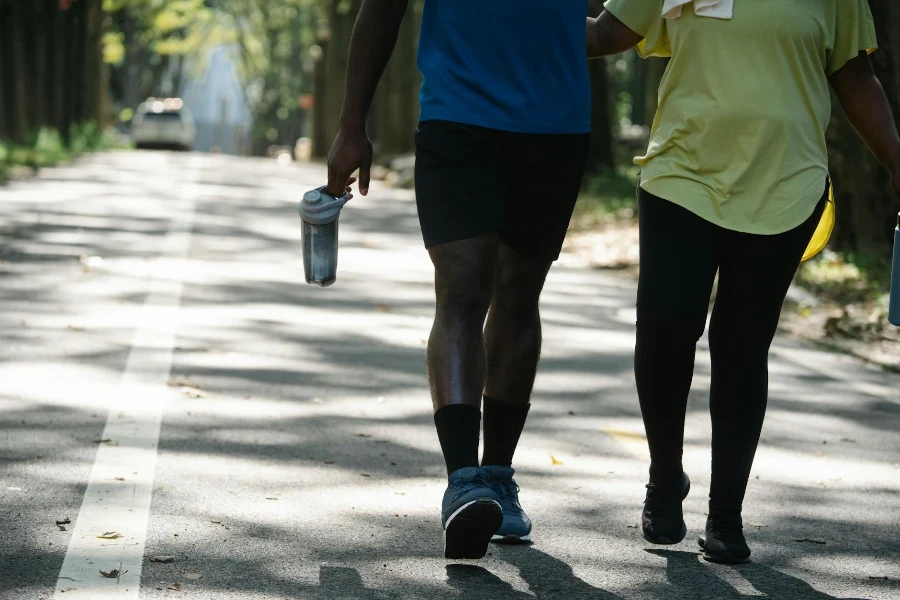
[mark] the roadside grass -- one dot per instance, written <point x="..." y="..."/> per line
<point x="47" y="147"/>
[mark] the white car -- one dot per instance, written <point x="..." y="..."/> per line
<point x="163" y="123"/>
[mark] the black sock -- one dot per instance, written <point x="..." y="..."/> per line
<point x="458" y="428"/>
<point x="503" y="424"/>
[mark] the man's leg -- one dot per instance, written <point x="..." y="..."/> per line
<point x="464" y="277"/>
<point x="543" y="175"/>
<point x="513" y="343"/>
<point x="461" y="201"/>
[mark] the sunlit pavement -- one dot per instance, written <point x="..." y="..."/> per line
<point x="297" y="457"/>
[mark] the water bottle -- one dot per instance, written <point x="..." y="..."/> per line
<point x="894" y="310"/>
<point x="319" y="212"/>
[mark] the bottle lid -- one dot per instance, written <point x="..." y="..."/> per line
<point x="312" y="197"/>
<point x="320" y="208"/>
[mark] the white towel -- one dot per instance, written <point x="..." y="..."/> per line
<point x="717" y="9"/>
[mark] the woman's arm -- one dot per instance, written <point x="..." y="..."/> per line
<point x="866" y="105"/>
<point x="607" y="35"/>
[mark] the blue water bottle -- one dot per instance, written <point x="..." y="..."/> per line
<point x="894" y="310"/>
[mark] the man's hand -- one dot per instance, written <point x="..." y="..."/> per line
<point x="351" y="150"/>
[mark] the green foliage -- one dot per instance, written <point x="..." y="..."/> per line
<point x="4" y="165"/>
<point x="607" y="197"/>
<point x="48" y="148"/>
<point x="846" y="278"/>
<point x="166" y="27"/>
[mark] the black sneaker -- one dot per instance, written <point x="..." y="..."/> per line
<point x="662" y="521"/>
<point x="725" y="541"/>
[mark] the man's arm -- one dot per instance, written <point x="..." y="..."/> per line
<point x="608" y="35"/>
<point x="866" y="105"/>
<point x="374" y="37"/>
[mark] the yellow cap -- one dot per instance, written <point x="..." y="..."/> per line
<point x="826" y="226"/>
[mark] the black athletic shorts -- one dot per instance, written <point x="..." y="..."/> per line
<point x="472" y="181"/>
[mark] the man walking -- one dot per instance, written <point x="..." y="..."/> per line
<point x="500" y="154"/>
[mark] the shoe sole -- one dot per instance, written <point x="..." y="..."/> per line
<point x="469" y="530"/>
<point x="724" y="558"/>
<point x="666" y="541"/>
<point x="512" y="540"/>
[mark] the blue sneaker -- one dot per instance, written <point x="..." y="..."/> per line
<point x="516" y="528"/>
<point x="471" y="514"/>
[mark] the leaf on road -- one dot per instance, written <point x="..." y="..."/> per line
<point x="881" y="577"/>
<point x="555" y="461"/>
<point x="191" y="575"/>
<point x="805" y="540"/>
<point x="271" y="498"/>
<point x="90" y="261"/>
<point x="107" y="441"/>
<point x="193" y="393"/>
<point x="163" y="559"/>
<point x="216" y="522"/>
<point x="848" y="440"/>
<point x="110" y="535"/>
<point x="66" y="521"/>
<point x="176" y="587"/>
<point x="75" y="328"/>
<point x="175" y="382"/>
<point x="120" y="479"/>
<point x="114" y="574"/>
<point x="365" y="474"/>
<point x="384" y="308"/>
<point x="633" y="526"/>
<point x="363" y="435"/>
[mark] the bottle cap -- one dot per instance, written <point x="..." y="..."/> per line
<point x="312" y="197"/>
<point x="321" y="208"/>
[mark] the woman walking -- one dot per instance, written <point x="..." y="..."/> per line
<point x="734" y="182"/>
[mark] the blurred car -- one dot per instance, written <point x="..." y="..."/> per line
<point x="163" y="123"/>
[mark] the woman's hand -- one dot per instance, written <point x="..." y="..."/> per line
<point x="866" y="105"/>
<point x="607" y="35"/>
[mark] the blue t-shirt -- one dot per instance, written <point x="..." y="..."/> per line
<point x="512" y="65"/>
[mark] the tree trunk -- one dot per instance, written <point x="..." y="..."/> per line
<point x="601" y="157"/>
<point x="21" y="118"/>
<point x="397" y="100"/>
<point x="93" y="25"/>
<point x="866" y="210"/>
<point x="319" y="135"/>
<point x="6" y="75"/>
<point x="341" y="17"/>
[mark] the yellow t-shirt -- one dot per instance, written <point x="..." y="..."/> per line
<point x="739" y="137"/>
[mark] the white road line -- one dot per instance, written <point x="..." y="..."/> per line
<point x="117" y="500"/>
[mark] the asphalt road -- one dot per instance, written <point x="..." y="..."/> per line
<point x="158" y="294"/>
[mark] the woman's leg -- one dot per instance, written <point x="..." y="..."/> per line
<point x="678" y="257"/>
<point x="754" y="277"/>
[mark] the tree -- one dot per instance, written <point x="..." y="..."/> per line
<point x="601" y="157"/>
<point x="50" y="66"/>
<point x="396" y="109"/>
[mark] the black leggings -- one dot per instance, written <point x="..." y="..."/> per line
<point x="680" y="254"/>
